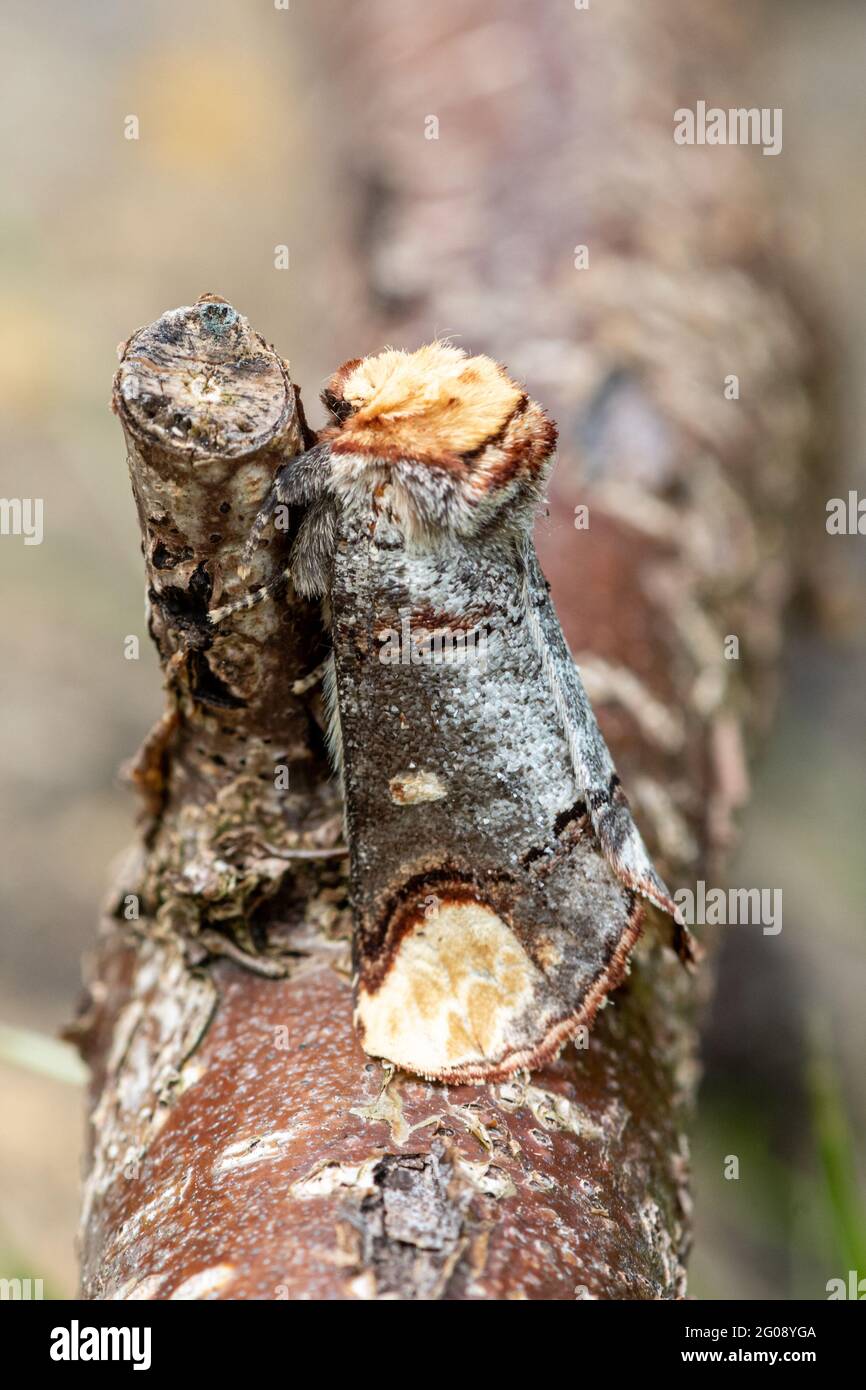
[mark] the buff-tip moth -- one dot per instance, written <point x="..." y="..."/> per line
<point x="498" y="880"/>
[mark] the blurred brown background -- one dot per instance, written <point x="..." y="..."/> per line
<point x="100" y="234"/>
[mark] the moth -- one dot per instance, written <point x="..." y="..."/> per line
<point x="498" y="879"/>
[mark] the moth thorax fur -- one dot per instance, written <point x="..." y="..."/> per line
<point x="435" y="400"/>
<point x="458" y="439"/>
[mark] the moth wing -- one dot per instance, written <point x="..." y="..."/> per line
<point x="489" y="925"/>
<point x="619" y="837"/>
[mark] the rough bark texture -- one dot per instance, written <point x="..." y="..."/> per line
<point x="242" y="1144"/>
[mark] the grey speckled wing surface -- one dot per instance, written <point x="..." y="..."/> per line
<point x="489" y="924"/>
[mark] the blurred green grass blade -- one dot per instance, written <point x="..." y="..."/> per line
<point x="37" y="1052"/>
<point x="835" y="1145"/>
<point x="14" y="1265"/>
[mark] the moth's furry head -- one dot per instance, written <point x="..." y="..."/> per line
<point x="453" y="434"/>
<point x="428" y="403"/>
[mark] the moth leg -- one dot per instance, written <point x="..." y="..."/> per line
<point x="265" y="591"/>
<point x="297" y="483"/>
<point x="266" y="511"/>
<point x="334" y="727"/>
<point x="313" y="550"/>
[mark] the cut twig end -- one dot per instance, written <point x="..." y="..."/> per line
<point x="200" y="383"/>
